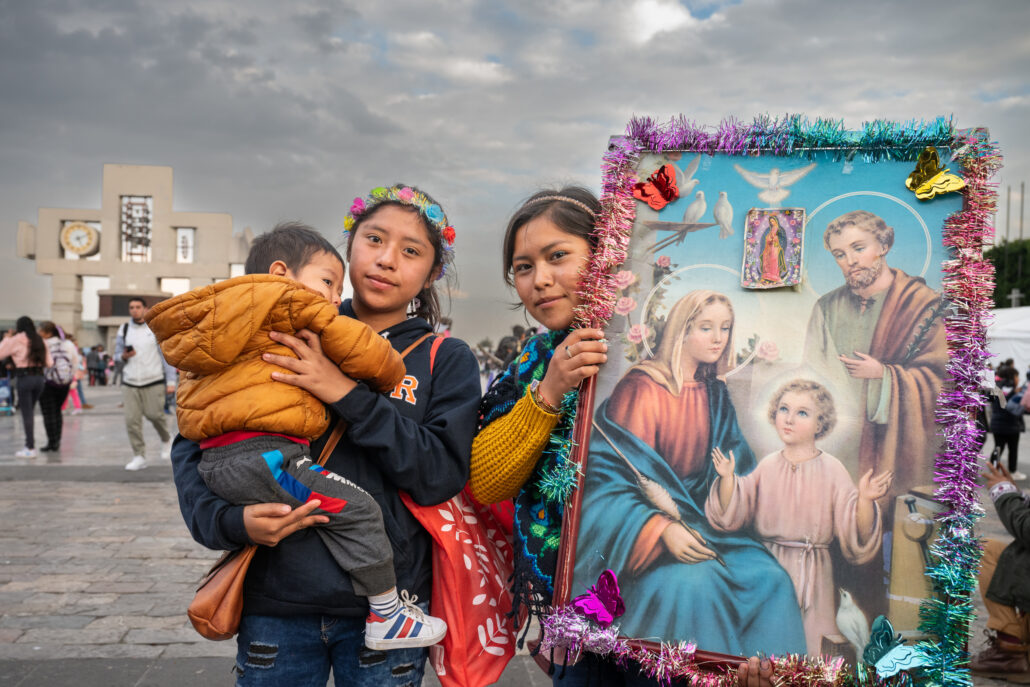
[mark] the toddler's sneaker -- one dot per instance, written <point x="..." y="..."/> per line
<point x="26" y="453"/>
<point x="406" y="628"/>
<point x="137" y="463"/>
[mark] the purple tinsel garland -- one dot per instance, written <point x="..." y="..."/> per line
<point x="968" y="287"/>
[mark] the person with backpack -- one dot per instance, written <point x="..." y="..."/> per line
<point x="146" y="378"/>
<point x="1007" y="422"/>
<point x="58" y="379"/>
<point x="30" y="357"/>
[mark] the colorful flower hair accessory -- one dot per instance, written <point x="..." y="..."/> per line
<point x="404" y="195"/>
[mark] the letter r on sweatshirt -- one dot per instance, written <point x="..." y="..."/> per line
<point x="405" y="389"/>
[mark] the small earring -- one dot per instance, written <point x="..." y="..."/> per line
<point x="416" y="303"/>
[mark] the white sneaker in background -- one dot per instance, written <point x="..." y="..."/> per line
<point x="1017" y="475"/>
<point x="77" y="411"/>
<point x="26" y="453"/>
<point x="166" y="450"/>
<point x="137" y="463"/>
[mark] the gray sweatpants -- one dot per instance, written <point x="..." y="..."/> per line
<point x="270" y="469"/>
<point x="149" y="402"/>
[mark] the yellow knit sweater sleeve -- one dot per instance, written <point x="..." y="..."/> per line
<point x="505" y="452"/>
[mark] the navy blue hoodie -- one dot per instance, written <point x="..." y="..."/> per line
<point x="417" y="439"/>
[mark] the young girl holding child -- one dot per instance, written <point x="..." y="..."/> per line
<point x="302" y="616"/>
<point x="546" y="245"/>
<point x="799" y="499"/>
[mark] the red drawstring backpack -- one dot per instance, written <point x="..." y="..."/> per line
<point x="472" y="563"/>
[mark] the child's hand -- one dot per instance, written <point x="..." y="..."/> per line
<point x="577" y="357"/>
<point x="723" y="465"/>
<point x="871" y="488"/>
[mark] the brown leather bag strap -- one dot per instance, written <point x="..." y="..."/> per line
<point x="338" y="430"/>
<point x="331" y="443"/>
<point x="409" y="349"/>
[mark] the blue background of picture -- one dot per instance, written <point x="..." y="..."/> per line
<point x="827" y="181"/>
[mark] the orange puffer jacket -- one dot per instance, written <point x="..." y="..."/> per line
<point x="216" y="335"/>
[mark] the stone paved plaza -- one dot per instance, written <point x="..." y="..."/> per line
<point x="97" y="568"/>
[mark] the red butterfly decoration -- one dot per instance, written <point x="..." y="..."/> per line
<point x="660" y="188"/>
<point x="603" y="601"/>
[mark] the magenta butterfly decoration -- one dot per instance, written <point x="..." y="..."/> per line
<point x="602" y="602"/>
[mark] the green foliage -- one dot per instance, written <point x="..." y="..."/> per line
<point x="1011" y="260"/>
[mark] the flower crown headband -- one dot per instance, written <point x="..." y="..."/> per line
<point x="406" y="196"/>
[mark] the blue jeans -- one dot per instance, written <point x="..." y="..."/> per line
<point x="299" y="651"/>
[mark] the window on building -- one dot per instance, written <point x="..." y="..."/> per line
<point x="236" y="269"/>
<point x="137" y="228"/>
<point x="185" y="239"/>
<point x="175" y="285"/>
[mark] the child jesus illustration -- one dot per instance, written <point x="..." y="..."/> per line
<point x="799" y="499"/>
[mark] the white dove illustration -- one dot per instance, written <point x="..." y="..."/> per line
<point x="696" y="210"/>
<point x="774" y="184"/>
<point x="687" y="182"/>
<point x="852" y="623"/>
<point x="723" y="214"/>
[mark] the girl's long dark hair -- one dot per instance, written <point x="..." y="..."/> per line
<point x="37" y="349"/>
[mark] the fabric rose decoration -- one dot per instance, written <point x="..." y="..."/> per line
<point x="448" y="235"/>
<point x="357" y="207"/>
<point x="663" y="261"/>
<point x="405" y="194"/>
<point x="435" y="213"/>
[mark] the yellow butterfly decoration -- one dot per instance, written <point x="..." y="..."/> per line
<point x="929" y="180"/>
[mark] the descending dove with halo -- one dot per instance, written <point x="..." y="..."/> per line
<point x="774" y="184"/>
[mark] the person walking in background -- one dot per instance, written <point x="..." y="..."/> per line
<point x="146" y="378"/>
<point x="96" y="362"/>
<point x="58" y="379"/>
<point x="30" y="356"/>
<point x="75" y="395"/>
<point x="1007" y="422"/>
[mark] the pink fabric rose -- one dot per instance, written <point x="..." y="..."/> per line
<point x="624" y="278"/>
<point x="637" y="333"/>
<point x="625" y="305"/>
<point x="663" y="261"/>
<point x="406" y="194"/>
<point x="357" y="207"/>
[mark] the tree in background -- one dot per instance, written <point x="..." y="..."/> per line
<point x="1011" y="260"/>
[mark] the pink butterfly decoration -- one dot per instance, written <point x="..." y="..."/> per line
<point x="602" y="602"/>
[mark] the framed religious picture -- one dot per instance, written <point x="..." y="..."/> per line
<point x="776" y="458"/>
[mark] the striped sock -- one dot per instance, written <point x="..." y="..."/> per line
<point x="386" y="604"/>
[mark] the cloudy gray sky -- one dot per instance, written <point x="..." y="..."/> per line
<point x="274" y="110"/>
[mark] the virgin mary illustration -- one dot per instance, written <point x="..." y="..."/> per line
<point x="773" y="259"/>
<point x="648" y="475"/>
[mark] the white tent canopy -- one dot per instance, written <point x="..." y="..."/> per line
<point x="1009" y="337"/>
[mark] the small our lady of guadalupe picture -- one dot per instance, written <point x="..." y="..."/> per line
<point x="774" y="240"/>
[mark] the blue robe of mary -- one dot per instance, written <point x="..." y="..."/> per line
<point x="748" y="606"/>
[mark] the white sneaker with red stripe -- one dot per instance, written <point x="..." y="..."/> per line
<point x="406" y="628"/>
